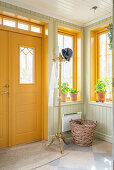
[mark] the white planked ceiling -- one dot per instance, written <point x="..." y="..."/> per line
<point x="78" y="12"/>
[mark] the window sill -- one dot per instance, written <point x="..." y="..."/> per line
<point x="68" y="103"/>
<point x="105" y="104"/>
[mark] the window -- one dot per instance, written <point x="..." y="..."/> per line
<point x="22" y="26"/>
<point x="9" y="23"/>
<point x="35" y="29"/>
<point x="26" y="65"/>
<point x="105" y="61"/>
<point x="0" y="20"/>
<point x="101" y="61"/>
<point x="66" y="41"/>
<point x="71" y="71"/>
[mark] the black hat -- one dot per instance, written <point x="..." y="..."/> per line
<point x="67" y="53"/>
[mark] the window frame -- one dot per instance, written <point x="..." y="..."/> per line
<point x="74" y="71"/>
<point x="96" y="72"/>
<point x="98" y="58"/>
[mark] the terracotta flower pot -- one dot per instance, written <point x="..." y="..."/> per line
<point x="63" y="97"/>
<point x="73" y="97"/>
<point x="101" y="96"/>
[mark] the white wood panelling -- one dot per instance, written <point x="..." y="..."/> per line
<point x="65" y="109"/>
<point x="100" y="112"/>
<point x="103" y="115"/>
<point x="75" y="11"/>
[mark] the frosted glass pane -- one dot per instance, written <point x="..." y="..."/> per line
<point x="8" y="23"/>
<point x="102" y="67"/>
<point x="102" y="44"/>
<point x="46" y="32"/>
<point x="60" y="42"/>
<point x="67" y="67"/>
<point x="22" y="26"/>
<point x="68" y="42"/>
<point x="109" y="90"/>
<point x="35" y="29"/>
<point x="108" y="49"/>
<point x="26" y="65"/>
<point x="105" y="61"/>
<point x="109" y="65"/>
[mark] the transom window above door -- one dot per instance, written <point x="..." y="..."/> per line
<point x="18" y="24"/>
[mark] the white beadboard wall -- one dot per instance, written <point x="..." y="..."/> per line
<point x="103" y="115"/>
<point x="102" y="112"/>
<point x="71" y="108"/>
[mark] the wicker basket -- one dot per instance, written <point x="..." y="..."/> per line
<point x="83" y="133"/>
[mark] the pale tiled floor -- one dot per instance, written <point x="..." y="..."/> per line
<point x="96" y="157"/>
<point x="35" y="154"/>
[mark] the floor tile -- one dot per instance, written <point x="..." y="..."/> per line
<point x="74" y="159"/>
<point x="54" y="163"/>
<point x="73" y="147"/>
<point x="46" y="167"/>
<point x="102" y="147"/>
<point x="103" y="161"/>
<point x="65" y="168"/>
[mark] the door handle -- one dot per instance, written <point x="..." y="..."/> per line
<point x="4" y="92"/>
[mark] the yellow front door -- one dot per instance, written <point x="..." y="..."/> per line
<point x="4" y="83"/>
<point x="25" y="73"/>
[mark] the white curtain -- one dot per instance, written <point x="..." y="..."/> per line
<point x="53" y="83"/>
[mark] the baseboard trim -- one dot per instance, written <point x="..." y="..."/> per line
<point x="97" y="135"/>
<point x="103" y="136"/>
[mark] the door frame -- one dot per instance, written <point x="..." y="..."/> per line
<point x="44" y="73"/>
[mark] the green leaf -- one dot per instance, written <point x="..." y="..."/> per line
<point x="102" y="85"/>
<point x="64" y="87"/>
<point x="110" y="35"/>
<point x="73" y="90"/>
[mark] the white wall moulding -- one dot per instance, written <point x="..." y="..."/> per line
<point x="103" y="136"/>
<point x="107" y="104"/>
<point x="69" y="103"/>
<point x="98" y="21"/>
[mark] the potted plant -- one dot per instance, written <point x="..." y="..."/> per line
<point x="73" y="94"/>
<point x="110" y="35"/>
<point x="101" y="89"/>
<point x="64" y="91"/>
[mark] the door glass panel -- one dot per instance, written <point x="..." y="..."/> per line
<point x="26" y="65"/>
